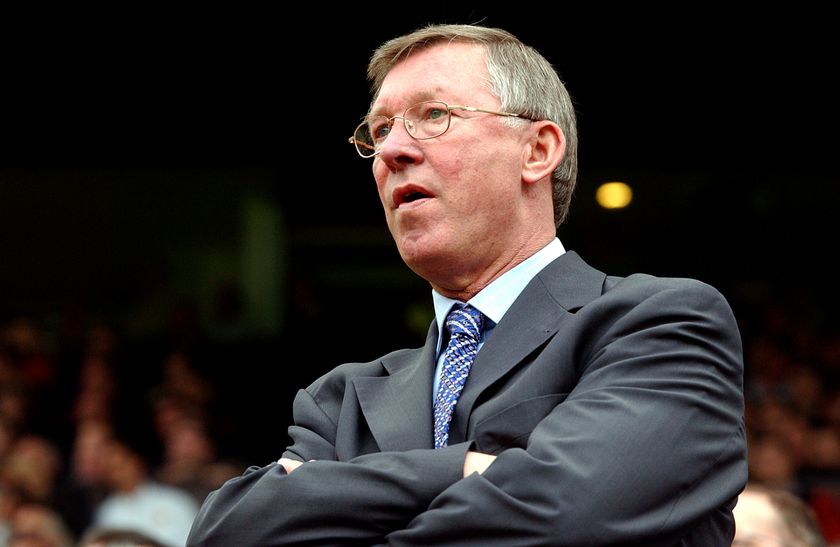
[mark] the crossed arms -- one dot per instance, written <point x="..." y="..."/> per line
<point x="645" y="446"/>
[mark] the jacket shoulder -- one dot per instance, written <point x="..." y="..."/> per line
<point x="643" y="286"/>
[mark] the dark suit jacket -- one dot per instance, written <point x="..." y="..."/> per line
<point x="614" y="405"/>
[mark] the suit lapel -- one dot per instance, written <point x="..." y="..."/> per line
<point x="535" y="316"/>
<point x="398" y="407"/>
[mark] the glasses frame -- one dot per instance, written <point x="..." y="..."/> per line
<point x="449" y="108"/>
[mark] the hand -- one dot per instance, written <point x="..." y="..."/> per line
<point x="477" y="462"/>
<point x="289" y="465"/>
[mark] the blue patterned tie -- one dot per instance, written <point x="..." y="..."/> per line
<point x="464" y="326"/>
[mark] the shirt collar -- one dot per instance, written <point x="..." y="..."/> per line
<point x="497" y="297"/>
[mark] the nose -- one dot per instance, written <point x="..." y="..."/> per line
<point x="399" y="149"/>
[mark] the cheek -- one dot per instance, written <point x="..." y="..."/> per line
<point x="452" y="170"/>
<point x="478" y="178"/>
<point x="380" y="177"/>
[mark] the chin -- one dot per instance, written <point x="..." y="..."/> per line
<point x="434" y="266"/>
<point x="417" y="261"/>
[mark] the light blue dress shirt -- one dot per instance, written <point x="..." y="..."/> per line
<point x="495" y="299"/>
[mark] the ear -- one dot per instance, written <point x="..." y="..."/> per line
<point x="543" y="152"/>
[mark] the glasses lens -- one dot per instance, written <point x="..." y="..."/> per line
<point x="363" y="140"/>
<point x="427" y="119"/>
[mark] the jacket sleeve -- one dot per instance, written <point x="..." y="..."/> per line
<point x="648" y="444"/>
<point x="324" y="502"/>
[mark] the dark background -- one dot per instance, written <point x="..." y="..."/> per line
<point x="132" y="141"/>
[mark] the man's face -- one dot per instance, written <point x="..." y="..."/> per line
<point x="756" y="522"/>
<point x="453" y="203"/>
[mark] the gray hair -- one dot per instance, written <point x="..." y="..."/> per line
<point x="520" y="76"/>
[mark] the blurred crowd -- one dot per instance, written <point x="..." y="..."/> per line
<point x="105" y="436"/>
<point x="95" y="445"/>
<point x="792" y="389"/>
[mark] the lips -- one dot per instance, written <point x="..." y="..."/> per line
<point x="409" y="193"/>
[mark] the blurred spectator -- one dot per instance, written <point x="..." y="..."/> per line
<point x="831" y="409"/>
<point x="32" y="467"/>
<point x="824" y="453"/>
<point x="14" y="405"/>
<point x="189" y="460"/>
<point x="8" y="434"/>
<point x="23" y="343"/>
<point x="88" y="463"/>
<point x="767" y="517"/>
<point x="29" y="400"/>
<point x="107" y="537"/>
<point x="36" y="525"/>
<point x="183" y="393"/>
<point x="96" y="390"/>
<point x="137" y="503"/>
<point x="9" y="502"/>
<point x="771" y="462"/>
<point x="85" y="486"/>
<point x="183" y="382"/>
<point x="807" y="390"/>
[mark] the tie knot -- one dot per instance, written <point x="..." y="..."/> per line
<point x="466" y="321"/>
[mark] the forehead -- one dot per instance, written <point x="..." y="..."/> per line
<point x="454" y="72"/>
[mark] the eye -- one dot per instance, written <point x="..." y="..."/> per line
<point x="435" y="114"/>
<point x="428" y="112"/>
<point x="379" y="128"/>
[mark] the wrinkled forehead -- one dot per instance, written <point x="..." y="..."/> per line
<point x="454" y="72"/>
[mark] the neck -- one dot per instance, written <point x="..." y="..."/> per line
<point x="466" y="286"/>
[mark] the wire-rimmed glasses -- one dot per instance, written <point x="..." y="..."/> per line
<point x="424" y="120"/>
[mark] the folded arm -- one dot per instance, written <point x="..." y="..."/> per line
<point x="325" y="502"/>
<point x="648" y="443"/>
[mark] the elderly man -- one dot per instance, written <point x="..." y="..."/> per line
<point x="551" y="404"/>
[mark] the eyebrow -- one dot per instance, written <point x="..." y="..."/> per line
<point x="416" y="97"/>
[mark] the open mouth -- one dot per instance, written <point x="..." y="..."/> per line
<point x="410" y="194"/>
<point x="414" y="196"/>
